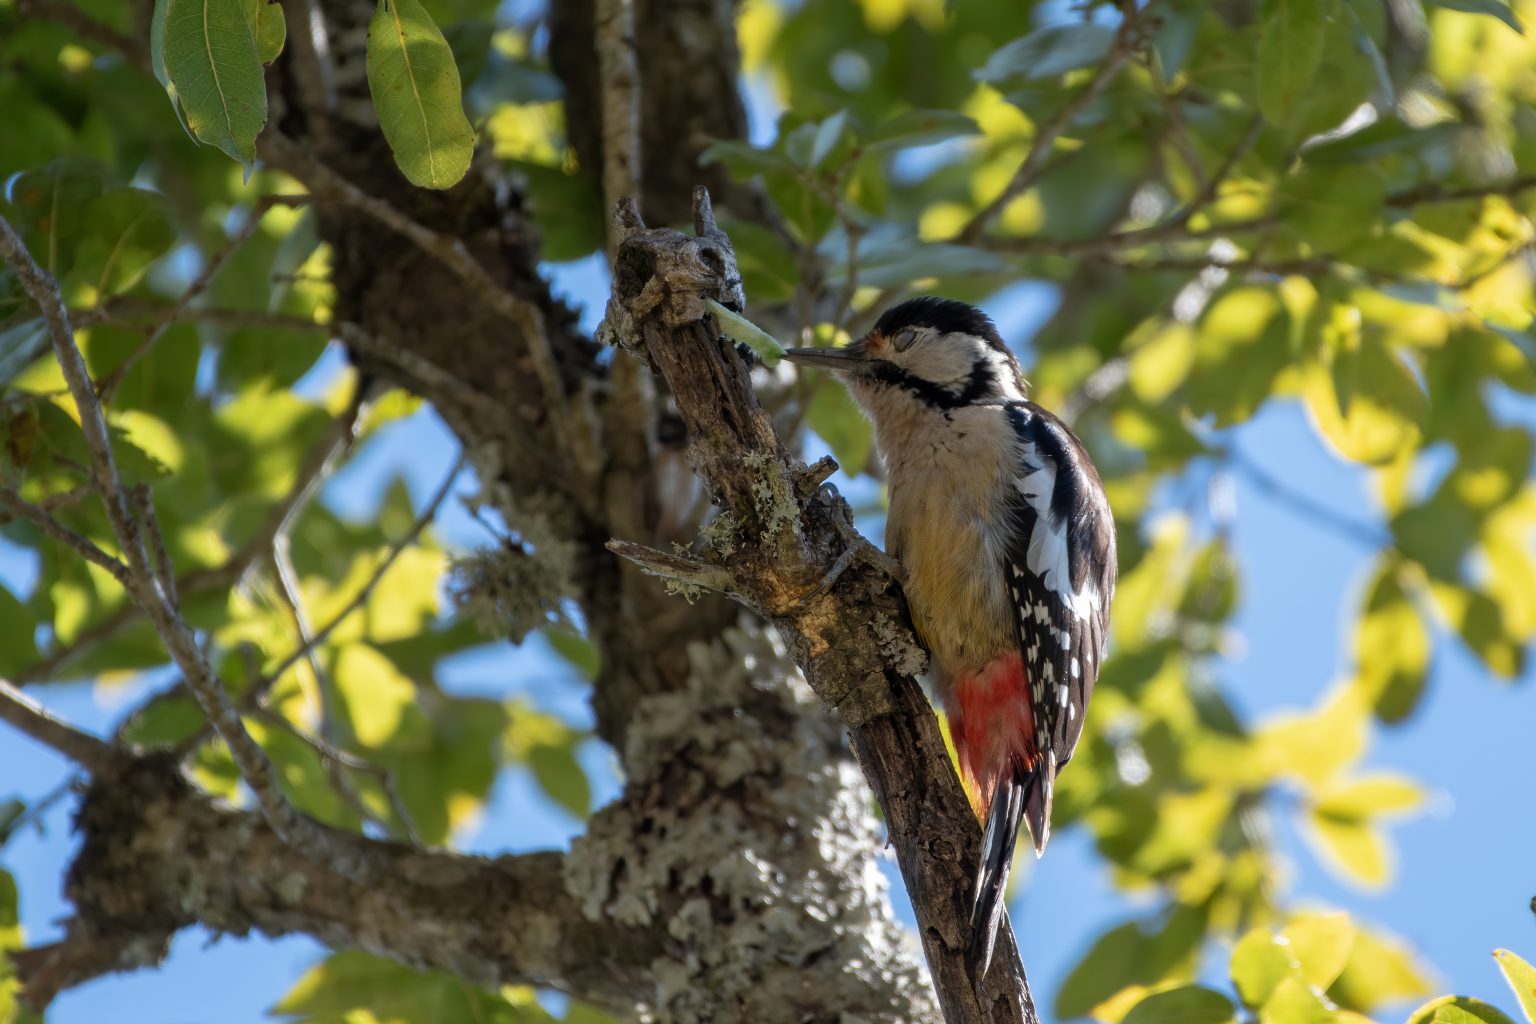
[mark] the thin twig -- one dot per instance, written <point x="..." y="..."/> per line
<point x="1303" y="503"/>
<point x="361" y="597"/>
<point x="115" y="312"/>
<point x="448" y="250"/>
<point x="1207" y="193"/>
<point x="619" y="78"/>
<point x="334" y="755"/>
<point x="86" y="27"/>
<point x="304" y="834"/>
<point x="108" y="385"/>
<point x="24" y="713"/>
<point x="1127" y="38"/>
<point x="199" y="581"/>
<point x="143" y="502"/>
<point x="81" y="545"/>
<point x="43" y="290"/>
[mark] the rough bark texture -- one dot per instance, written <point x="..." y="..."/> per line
<point x="688" y="98"/>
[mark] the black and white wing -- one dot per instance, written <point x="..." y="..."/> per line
<point x="1060" y="573"/>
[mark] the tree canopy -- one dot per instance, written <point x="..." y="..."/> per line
<point x="1236" y="205"/>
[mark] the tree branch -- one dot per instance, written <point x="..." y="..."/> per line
<point x="156" y="857"/>
<point x="619" y="78"/>
<point x="847" y="639"/>
<point x="26" y="714"/>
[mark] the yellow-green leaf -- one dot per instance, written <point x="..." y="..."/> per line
<point x="1290" y="50"/>
<point x="1368" y="797"/>
<point x="1380" y="970"/>
<point x="208" y="54"/>
<point x="1259" y="963"/>
<point x="1366" y="405"/>
<point x="1356" y="850"/>
<point x="1296" y="1002"/>
<point x="380" y="702"/>
<point x="1315" y="747"/>
<point x="268" y="26"/>
<point x="1321" y="945"/>
<point x="1522" y="978"/>
<point x="1458" y="1010"/>
<point x="126" y="230"/>
<point x="1188" y="1004"/>
<point x="1392" y="646"/>
<point x="416" y="91"/>
<point x="837" y="421"/>
<point x="743" y="331"/>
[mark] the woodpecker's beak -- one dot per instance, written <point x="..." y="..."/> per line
<point x="825" y="358"/>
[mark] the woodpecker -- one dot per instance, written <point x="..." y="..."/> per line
<point x="999" y="519"/>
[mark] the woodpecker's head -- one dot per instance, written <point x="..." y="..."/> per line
<point x="938" y="352"/>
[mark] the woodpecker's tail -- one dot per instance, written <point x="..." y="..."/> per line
<point x="1022" y="794"/>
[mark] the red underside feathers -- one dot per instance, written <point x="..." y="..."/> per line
<point x="991" y="724"/>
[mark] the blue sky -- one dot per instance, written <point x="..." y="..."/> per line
<point x="1466" y="868"/>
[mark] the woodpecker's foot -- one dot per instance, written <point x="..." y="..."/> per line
<point x="855" y="547"/>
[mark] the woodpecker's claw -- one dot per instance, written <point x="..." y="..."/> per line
<point x="855" y="547"/>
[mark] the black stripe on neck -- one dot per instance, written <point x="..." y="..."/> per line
<point x="982" y="383"/>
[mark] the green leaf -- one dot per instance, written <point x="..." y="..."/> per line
<point x="1492" y="8"/>
<point x="1387" y="137"/>
<point x="1296" y="1002"/>
<point x="1289" y="53"/>
<point x="128" y="229"/>
<point x="1243" y="344"/>
<point x="416" y="90"/>
<point x="1522" y="978"/>
<point x="1458" y="1010"/>
<point x="1392" y="647"/>
<point x="209" y="58"/>
<point x="360" y="986"/>
<point x="743" y="331"/>
<point x="1128" y="959"/>
<point x="1367" y="404"/>
<point x="268" y="26"/>
<point x="1259" y="963"/>
<point x="1356" y="850"/>
<point x="60" y="436"/>
<point x="828" y="134"/>
<point x="49" y="207"/>
<point x="561" y="776"/>
<point x="920" y="128"/>
<point x="582" y="653"/>
<point x="834" y="417"/>
<point x="1480" y="621"/>
<point x="1380" y="970"/>
<point x="1048" y="52"/>
<point x="1189" y="1004"/>
<point x="898" y="261"/>
<point x="1321" y="944"/>
<point x="743" y="159"/>
<point x="380" y="702"/>
<point x="1367" y="45"/>
<point x="1370" y="796"/>
<point x="18" y="646"/>
<point x="21" y="345"/>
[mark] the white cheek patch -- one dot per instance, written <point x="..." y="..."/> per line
<point x="1004" y="373"/>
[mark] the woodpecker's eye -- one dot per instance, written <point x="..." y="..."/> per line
<point x="904" y="339"/>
